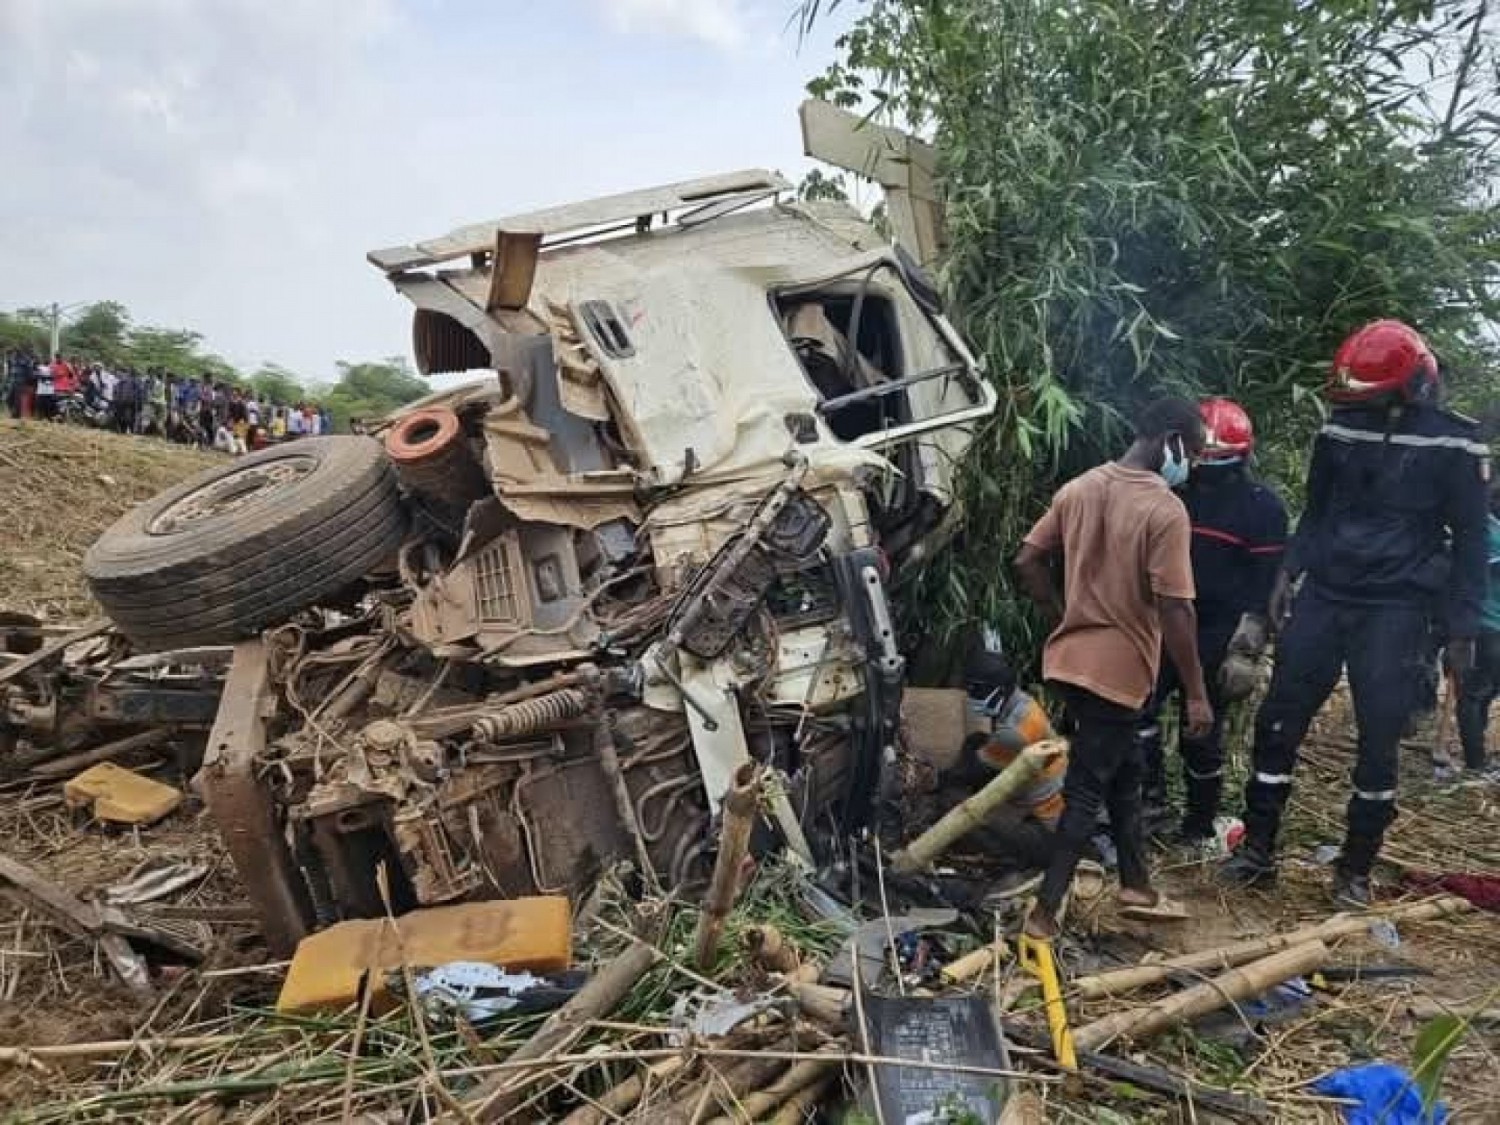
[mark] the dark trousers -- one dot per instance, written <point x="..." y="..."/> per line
<point x="1383" y="648"/>
<point x="1104" y="769"/>
<point x="1477" y="689"/>
<point x="1202" y="758"/>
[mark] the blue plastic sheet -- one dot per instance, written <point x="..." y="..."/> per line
<point x="1386" y="1095"/>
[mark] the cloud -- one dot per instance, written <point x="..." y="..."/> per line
<point x="726" y="24"/>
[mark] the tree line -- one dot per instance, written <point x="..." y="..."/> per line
<point x="104" y="332"/>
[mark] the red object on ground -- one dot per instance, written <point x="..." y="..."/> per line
<point x="1482" y="890"/>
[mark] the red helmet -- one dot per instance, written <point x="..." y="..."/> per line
<point x="1230" y="435"/>
<point x="1380" y="358"/>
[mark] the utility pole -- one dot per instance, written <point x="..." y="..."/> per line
<point x="56" y="312"/>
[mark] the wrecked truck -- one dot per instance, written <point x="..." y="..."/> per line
<point x="533" y="624"/>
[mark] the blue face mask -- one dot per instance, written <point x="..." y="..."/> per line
<point x="1174" y="467"/>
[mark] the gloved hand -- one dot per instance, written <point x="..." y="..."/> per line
<point x="1240" y="672"/>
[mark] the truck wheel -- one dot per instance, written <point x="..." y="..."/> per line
<point x="247" y="545"/>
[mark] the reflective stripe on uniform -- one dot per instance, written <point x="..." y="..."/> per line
<point x="1376" y="794"/>
<point x="1420" y="441"/>
<point x="1274" y="778"/>
<point x="1206" y="776"/>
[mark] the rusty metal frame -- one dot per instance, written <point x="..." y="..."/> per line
<point x="243" y="808"/>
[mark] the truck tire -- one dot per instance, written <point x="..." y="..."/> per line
<point x="247" y="545"/>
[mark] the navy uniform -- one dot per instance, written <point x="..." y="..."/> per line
<point x="1393" y="534"/>
<point x="1239" y="538"/>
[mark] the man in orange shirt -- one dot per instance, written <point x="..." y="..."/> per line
<point x="1124" y="542"/>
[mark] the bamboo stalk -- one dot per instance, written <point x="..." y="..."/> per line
<point x="734" y="844"/>
<point x="769" y="949"/>
<point x="821" y="1002"/>
<point x="736" y="1084"/>
<point x="970" y="814"/>
<point x="495" y="1099"/>
<point x="1117" y="982"/>
<point x="795" y="1109"/>
<point x="761" y="1102"/>
<point x="1139" y="1024"/>
<point x="622" y="1098"/>
<point x="974" y="964"/>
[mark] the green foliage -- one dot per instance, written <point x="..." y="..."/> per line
<point x="1148" y="196"/>
<point x="1435" y="1043"/>
<point x="275" y="383"/>
<point x="818" y="184"/>
<point x="101" y="331"/>
<point x="21" y="331"/>
<point x="368" y="390"/>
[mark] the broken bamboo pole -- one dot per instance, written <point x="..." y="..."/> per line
<point x="970" y="814"/>
<point x="1117" y="982"/>
<point x="763" y="1101"/>
<point x="769" y="949"/>
<point x="974" y="964"/>
<point x="726" y="1086"/>
<point x="795" y="1110"/>
<point x="496" y="1099"/>
<point x="820" y="1002"/>
<point x="734" y="844"/>
<point x="1232" y="986"/>
<point x="622" y="1098"/>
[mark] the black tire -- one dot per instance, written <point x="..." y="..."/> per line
<point x="247" y="545"/>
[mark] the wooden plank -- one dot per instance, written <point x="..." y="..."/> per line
<point x="575" y="216"/>
<point x="513" y="269"/>
<point x="64" y="907"/>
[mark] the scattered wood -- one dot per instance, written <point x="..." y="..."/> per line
<point x="795" y="1110"/>
<point x="975" y="964"/>
<point x="799" y="1077"/>
<point x="496" y="1099"/>
<point x="1117" y="982"/>
<point x="1024" y="1108"/>
<point x="105" y="1047"/>
<point x="622" y="1098"/>
<point x="1425" y="1008"/>
<point x="770" y="950"/>
<point x="821" y="1002"/>
<point x="1229" y="987"/>
<point x="734" y="845"/>
<point x="970" y="814"/>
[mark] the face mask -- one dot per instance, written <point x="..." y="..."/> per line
<point x="1174" y="467"/>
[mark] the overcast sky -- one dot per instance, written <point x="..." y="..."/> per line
<point x="224" y="165"/>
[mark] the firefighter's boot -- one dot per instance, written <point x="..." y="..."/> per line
<point x="1253" y="864"/>
<point x="1351" y="872"/>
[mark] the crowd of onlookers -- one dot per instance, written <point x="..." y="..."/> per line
<point x="193" y="411"/>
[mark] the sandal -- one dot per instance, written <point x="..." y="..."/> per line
<point x="1164" y="909"/>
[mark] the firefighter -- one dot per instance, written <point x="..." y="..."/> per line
<point x="1239" y="536"/>
<point x="1392" y="533"/>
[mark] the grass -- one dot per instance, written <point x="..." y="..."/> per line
<point x="60" y="486"/>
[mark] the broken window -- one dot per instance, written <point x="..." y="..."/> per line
<point x="878" y="356"/>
